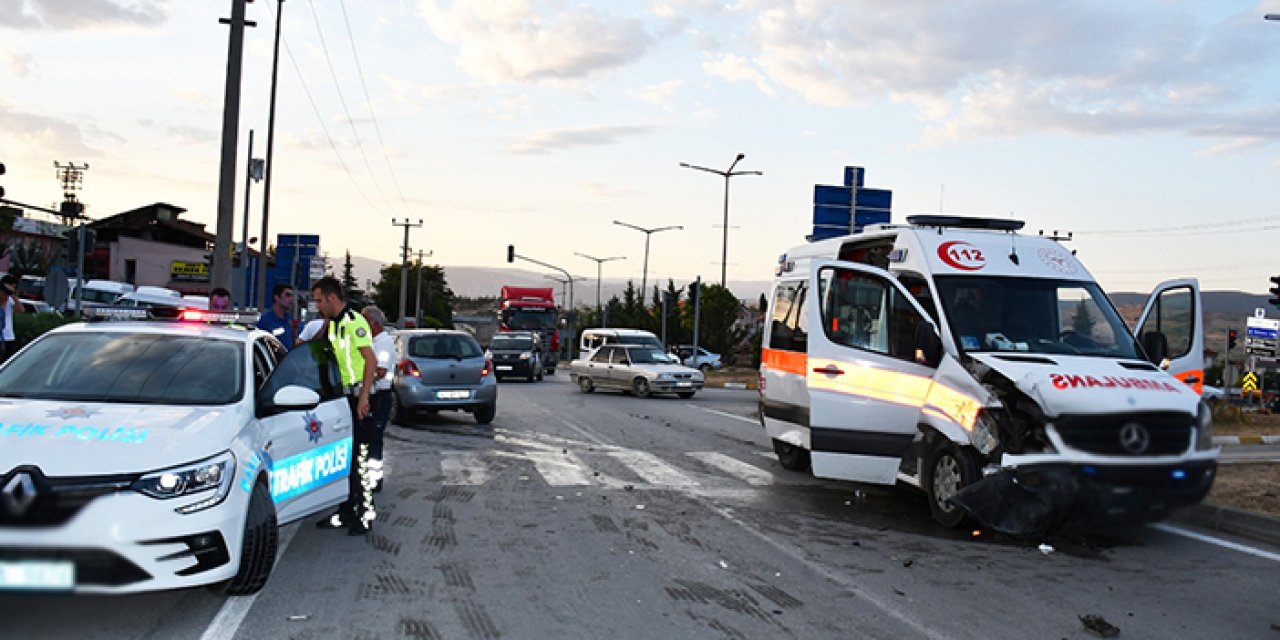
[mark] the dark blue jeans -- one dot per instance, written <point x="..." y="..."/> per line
<point x="381" y="408"/>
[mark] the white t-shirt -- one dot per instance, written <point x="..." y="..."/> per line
<point x="8" y="321"/>
<point x="384" y="348"/>
<point x="310" y="329"/>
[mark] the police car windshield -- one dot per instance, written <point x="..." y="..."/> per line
<point x="111" y="366"/>
<point x="511" y="343"/>
<point x="1035" y="315"/>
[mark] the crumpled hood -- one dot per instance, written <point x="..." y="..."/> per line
<point x="1083" y="385"/>
<point x="84" y="438"/>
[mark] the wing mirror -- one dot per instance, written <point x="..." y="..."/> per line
<point x="295" y="397"/>
<point x="928" y="345"/>
<point x="1156" y="345"/>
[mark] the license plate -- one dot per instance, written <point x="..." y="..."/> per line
<point x="504" y="367"/>
<point x="684" y="384"/>
<point x="453" y="395"/>
<point x="37" y="574"/>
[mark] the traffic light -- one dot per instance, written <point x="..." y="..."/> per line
<point x="511" y="253"/>
<point x="1231" y="339"/>
<point x="1" y="173"/>
<point x="693" y="292"/>
<point x="1275" y="291"/>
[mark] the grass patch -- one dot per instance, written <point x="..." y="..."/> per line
<point x="1249" y="487"/>
<point x="744" y="375"/>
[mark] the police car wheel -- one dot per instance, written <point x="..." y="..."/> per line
<point x="640" y="387"/>
<point x="791" y="457"/>
<point x="586" y="385"/>
<point x="947" y="470"/>
<point x="258" y="550"/>
<point x="485" y="414"/>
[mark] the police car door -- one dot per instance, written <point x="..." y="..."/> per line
<point x="310" y="451"/>
<point x="1174" y="310"/>
<point x="865" y="387"/>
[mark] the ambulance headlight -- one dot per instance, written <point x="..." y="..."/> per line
<point x="1204" y="427"/>
<point x="210" y="478"/>
<point x="986" y="433"/>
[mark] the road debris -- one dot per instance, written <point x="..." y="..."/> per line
<point x="908" y="562"/>
<point x="299" y="617"/>
<point x="1046" y="548"/>
<point x="639" y="507"/>
<point x="1098" y="626"/>
<point x="899" y="591"/>
<point x="628" y="487"/>
<point x="724" y="565"/>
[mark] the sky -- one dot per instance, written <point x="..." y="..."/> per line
<point x="1148" y="129"/>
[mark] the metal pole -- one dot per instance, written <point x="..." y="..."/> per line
<point x="417" y="296"/>
<point x="266" y="188"/>
<point x="80" y="268"/>
<point x="244" y="233"/>
<point x="644" y="273"/>
<point x="293" y="276"/>
<point x="697" y="312"/>
<point x="404" y="268"/>
<point x="724" y="245"/>
<point x="666" y="303"/>
<point x="220" y="275"/>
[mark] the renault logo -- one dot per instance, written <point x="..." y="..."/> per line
<point x="18" y="494"/>
<point x="1134" y="438"/>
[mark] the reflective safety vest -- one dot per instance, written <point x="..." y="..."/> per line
<point x="346" y="335"/>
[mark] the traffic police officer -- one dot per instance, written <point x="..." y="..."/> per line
<point x="352" y="343"/>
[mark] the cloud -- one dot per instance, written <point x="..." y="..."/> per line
<point x="736" y="68"/>
<point x="542" y="142"/>
<point x="511" y="41"/>
<point x="47" y="136"/>
<point x="18" y="63"/>
<point x="64" y="15"/>
<point x="658" y="94"/>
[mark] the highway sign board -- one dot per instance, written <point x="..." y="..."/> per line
<point x="1249" y="382"/>
<point x="1261" y="335"/>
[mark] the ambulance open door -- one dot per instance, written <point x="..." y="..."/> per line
<point x="1174" y="311"/>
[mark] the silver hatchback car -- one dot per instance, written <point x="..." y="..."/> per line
<point x="443" y="370"/>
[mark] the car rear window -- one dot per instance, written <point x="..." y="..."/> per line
<point x="444" y="346"/>
<point x="127" y="367"/>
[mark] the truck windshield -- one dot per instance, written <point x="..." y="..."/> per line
<point x="1033" y="315"/>
<point x="526" y="319"/>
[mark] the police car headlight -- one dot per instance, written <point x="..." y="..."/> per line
<point x="1204" y="428"/>
<point x="211" y="477"/>
<point x="524" y="355"/>
<point x="986" y="433"/>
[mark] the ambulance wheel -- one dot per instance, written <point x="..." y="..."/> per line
<point x="791" y="457"/>
<point x="640" y="387"/>
<point x="586" y="385"/>
<point x="947" y="470"/>
<point x="485" y="414"/>
<point x="258" y="550"/>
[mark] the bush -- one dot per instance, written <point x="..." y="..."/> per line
<point x="29" y="326"/>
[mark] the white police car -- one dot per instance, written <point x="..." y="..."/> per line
<point x="146" y="455"/>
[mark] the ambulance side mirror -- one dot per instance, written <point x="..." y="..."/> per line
<point x="928" y="345"/>
<point x="1156" y="346"/>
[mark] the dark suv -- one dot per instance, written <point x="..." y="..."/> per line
<point x="517" y="353"/>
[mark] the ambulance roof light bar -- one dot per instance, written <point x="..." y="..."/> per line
<point x="965" y="222"/>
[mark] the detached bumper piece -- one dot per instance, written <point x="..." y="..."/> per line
<point x="1035" y="502"/>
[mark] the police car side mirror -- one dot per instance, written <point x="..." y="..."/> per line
<point x="928" y="345"/>
<point x="295" y="397"/>
<point x="1156" y="345"/>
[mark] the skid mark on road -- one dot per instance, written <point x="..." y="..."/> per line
<point x="477" y="621"/>
<point x="418" y="629"/>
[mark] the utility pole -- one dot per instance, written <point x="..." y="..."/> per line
<point x="72" y="177"/>
<point x="417" y="297"/>
<point x="220" y="273"/>
<point x="404" y="265"/>
<point x="266" y="187"/>
<point x="599" y="263"/>
<point x="253" y="174"/>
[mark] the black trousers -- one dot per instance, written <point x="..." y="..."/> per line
<point x="359" y="502"/>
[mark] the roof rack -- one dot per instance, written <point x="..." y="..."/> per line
<point x="965" y="222"/>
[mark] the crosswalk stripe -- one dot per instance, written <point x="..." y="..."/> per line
<point x="652" y="469"/>
<point x="463" y="468"/>
<point x="751" y="474"/>
<point x="560" y="469"/>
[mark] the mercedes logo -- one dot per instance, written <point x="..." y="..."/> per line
<point x="1134" y="438"/>
<point x="18" y="494"/>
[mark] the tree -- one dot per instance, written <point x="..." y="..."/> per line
<point x="437" y="298"/>
<point x="718" y="312"/>
<point x="349" y="281"/>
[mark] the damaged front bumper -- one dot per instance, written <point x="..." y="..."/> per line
<point x="1035" y="500"/>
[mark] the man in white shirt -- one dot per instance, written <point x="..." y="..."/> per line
<point x="384" y="348"/>
<point x="9" y="284"/>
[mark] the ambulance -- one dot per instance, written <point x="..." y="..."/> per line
<point x="989" y="369"/>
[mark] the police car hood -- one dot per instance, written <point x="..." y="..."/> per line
<point x="1084" y="385"/>
<point x="85" y="438"/>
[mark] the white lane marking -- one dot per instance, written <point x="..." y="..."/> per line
<point x="463" y="468"/>
<point x="653" y="469"/>
<point x="751" y="474"/>
<point x="560" y="469"/>
<point x="766" y="454"/>
<point x="235" y="608"/>
<point x="1227" y="544"/>
<point x="728" y="415"/>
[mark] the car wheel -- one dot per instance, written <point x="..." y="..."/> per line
<point x="948" y="469"/>
<point x="585" y="384"/>
<point x="532" y="373"/>
<point x="790" y="456"/>
<point x="258" y="550"/>
<point x="685" y="394"/>
<point x="399" y="415"/>
<point x="484" y="415"/>
<point x="704" y="367"/>
<point x="640" y="387"/>
<point x="551" y="371"/>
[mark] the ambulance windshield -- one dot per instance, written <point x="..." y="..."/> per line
<point x="1033" y="315"/>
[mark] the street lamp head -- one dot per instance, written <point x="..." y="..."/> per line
<point x="1271" y="16"/>
<point x="741" y="156"/>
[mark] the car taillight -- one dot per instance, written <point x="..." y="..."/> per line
<point x="488" y="367"/>
<point x="408" y="368"/>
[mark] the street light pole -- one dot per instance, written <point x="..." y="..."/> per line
<point x="644" y="274"/>
<point x="729" y="173"/>
<point x="599" y="264"/>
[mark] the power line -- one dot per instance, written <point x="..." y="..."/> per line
<point x="1226" y="226"/>
<point x="369" y="101"/>
<point x="320" y="119"/>
<point x="343" y="100"/>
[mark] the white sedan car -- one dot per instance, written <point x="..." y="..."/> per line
<point x="638" y="369"/>
<point x="145" y="455"/>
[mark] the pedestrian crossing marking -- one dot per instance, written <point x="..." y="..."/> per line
<point x="751" y="474"/>
<point x="653" y="469"/>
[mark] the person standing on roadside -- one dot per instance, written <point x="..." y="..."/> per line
<point x="352" y="344"/>
<point x="9" y="284"/>
<point x="219" y="300"/>
<point x="278" y="320"/>
<point x="384" y="348"/>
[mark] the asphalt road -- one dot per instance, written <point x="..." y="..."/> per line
<point x="606" y="516"/>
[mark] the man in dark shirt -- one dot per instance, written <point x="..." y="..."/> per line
<point x="277" y="320"/>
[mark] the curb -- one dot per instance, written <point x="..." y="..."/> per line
<point x="1234" y="521"/>
<point x="1246" y="439"/>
